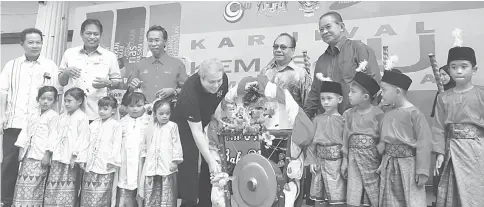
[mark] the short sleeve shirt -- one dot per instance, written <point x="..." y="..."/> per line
<point x="195" y="104"/>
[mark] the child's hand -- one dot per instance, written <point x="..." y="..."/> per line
<point x="45" y="160"/>
<point x="21" y="152"/>
<point x="313" y="168"/>
<point x="421" y="179"/>
<point x="381" y="148"/>
<point x="344" y="168"/>
<point x="173" y="166"/>
<point x="73" y="161"/>
<point x="139" y="199"/>
<point x="438" y="164"/>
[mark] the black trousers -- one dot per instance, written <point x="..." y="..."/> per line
<point x="204" y="189"/>
<point x="10" y="165"/>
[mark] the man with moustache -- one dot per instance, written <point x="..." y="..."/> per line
<point x="199" y="97"/>
<point x="20" y="81"/>
<point x="160" y="75"/>
<point x="339" y="61"/>
<point x="90" y="67"/>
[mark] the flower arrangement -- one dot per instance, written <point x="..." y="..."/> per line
<point x="248" y="117"/>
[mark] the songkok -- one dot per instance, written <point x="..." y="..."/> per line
<point x="367" y="82"/>
<point x="397" y="78"/>
<point x="331" y="87"/>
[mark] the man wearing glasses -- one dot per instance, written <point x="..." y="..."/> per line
<point x="339" y="61"/>
<point x="284" y="72"/>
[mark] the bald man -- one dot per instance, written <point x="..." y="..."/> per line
<point x="198" y="99"/>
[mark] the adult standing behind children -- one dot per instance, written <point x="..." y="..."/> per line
<point x="90" y="67"/>
<point x="18" y="98"/>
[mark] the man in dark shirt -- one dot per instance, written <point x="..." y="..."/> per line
<point x="339" y="61"/>
<point x="198" y="99"/>
<point x="160" y="75"/>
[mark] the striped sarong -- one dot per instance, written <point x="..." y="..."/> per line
<point x="328" y="184"/>
<point x="161" y="191"/>
<point x="462" y="180"/>
<point x="96" y="189"/>
<point x="398" y="187"/>
<point x="363" y="182"/>
<point x="61" y="188"/>
<point x="30" y="186"/>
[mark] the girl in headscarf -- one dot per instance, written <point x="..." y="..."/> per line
<point x="447" y="81"/>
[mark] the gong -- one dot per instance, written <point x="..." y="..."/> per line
<point x="258" y="181"/>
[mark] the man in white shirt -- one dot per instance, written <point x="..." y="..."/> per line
<point x="90" y="67"/>
<point x="20" y="81"/>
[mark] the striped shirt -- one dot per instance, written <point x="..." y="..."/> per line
<point x="22" y="92"/>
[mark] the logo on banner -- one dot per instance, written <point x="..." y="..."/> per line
<point x="308" y="7"/>
<point x="342" y="4"/>
<point x="270" y="7"/>
<point x="234" y="11"/>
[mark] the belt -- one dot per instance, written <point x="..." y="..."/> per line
<point x="465" y="131"/>
<point x="399" y="150"/>
<point x="329" y="152"/>
<point x="360" y="141"/>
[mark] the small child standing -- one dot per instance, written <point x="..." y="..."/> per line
<point x="324" y="155"/>
<point x="134" y="127"/>
<point x="406" y="137"/>
<point x="161" y="153"/>
<point x="459" y="134"/>
<point x="101" y="156"/>
<point x="62" y="184"/>
<point x="34" y="154"/>
<point x="360" y="138"/>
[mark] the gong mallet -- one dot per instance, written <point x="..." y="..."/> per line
<point x="435" y="70"/>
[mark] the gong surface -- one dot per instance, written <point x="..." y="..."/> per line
<point x="256" y="181"/>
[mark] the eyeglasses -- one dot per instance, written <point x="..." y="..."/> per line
<point x="283" y="47"/>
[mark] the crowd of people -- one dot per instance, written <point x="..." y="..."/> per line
<point x="87" y="154"/>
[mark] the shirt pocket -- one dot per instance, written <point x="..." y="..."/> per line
<point x="347" y="66"/>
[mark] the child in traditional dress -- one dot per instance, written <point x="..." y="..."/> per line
<point x="360" y="138"/>
<point x="459" y="134"/>
<point x="101" y="156"/>
<point x="161" y="153"/>
<point x="62" y="184"/>
<point x="134" y="127"/>
<point x="324" y="155"/>
<point x="406" y="135"/>
<point x="34" y="154"/>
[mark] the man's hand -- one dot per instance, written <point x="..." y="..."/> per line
<point x="73" y="72"/>
<point x="421" y="179"/>
<point x="165" y="92"/>
<point x="344" y="168"/>
<point x="438" y="164"/>
<point x="101" y="83"/>
<point x="135" y="83"/>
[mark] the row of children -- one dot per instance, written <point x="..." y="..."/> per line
<point x="67" y="161"/>
<point x="374" y="157"/>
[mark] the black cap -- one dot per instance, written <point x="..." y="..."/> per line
<point x="462" y="53"/>
<point x="397" y="78"/>
<point x="367" y="82"/>
<point x="331" y="87"/>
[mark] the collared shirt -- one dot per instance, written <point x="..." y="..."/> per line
<point x="156" y="74"/>
<point x="73" y="132"/>
<point x="339" y="63"/>
<point x="101" y="63"/>
<point x="162" y="150"/>
<point x="20" y="80"/>
<point x="133" y="134"/>
<point x="103" y="150"/>
<point x="39" y="133"/>
<point x="298" y="87"/>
